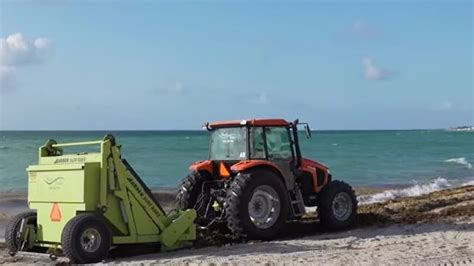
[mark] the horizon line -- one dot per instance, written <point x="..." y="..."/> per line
<point x="199" y="130"/>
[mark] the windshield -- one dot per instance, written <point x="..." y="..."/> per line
<point x="229" y="144"/>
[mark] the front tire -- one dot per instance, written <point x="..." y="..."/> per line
<point x="337" y="206"/>
<point x="257" y="205"/>
<point x="86" y="239"/>
<point x="12" y="237"/>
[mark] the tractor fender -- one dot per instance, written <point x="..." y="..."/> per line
<point x="251" y="164"/>
<point x="205" y="166"/>
<point x="318" y="172"/>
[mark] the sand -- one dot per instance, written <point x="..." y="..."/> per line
<point x="408" y="244"/>
<point x="437" y="228"/>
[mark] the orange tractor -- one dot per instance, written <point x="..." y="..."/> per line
<point x="256" y="180"/>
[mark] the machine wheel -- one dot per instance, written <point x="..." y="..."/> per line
<point x="12" y="237"/>
<point x="257" y="205"/>
<point x="337" y="206"/>
<point x="189" y="190"/>
<point x="86" y="239"/>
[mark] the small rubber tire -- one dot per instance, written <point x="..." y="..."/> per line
<point x="189" y="190"/>
<point x="238" y="197"/>
<point x="71" y="238"/>
<point x="12" y="229"/>
<point x="325" y="205"/>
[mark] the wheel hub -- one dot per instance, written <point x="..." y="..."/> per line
<point x="342" y="206"/>
<point x="264" y="207"/>
<point x="90" y="240"/>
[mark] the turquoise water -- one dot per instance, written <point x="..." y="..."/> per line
<point x="363" y="158"/>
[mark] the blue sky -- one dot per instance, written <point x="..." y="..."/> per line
<point x="163" y="65"/>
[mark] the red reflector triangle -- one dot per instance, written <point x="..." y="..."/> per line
<point x="55" y="214"/>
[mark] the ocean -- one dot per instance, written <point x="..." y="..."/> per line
<point x="418" y="159"/>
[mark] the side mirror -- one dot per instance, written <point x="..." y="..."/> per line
<point x="207" y="127"/>
<point x="307" y="131"/>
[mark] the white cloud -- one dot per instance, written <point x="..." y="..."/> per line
<point x="361" y="28"/>
<point x="43" y="48"/>
<point x="6" y="72"/>
<point x="16" y="52"/>
<point x="176" y="88"/>
<point x="261" y="98"/>
<point x="446" y="106"/>
<point x="372" y="71"/>
<point x="450" y="106"/>
<point x="7" y="75"/>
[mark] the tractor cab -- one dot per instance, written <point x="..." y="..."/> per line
<point x="273" y="140"/>
<point x="249" y="140"/>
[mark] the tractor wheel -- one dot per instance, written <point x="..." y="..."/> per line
<point x="337" y="208"/>
<point x="189" y="190"/>
<point x="257" y="205"/>
<point x="86" y="239"/>
<point x="12" y="233"/>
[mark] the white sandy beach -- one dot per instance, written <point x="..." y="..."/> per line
<point x="430" y="244"/>
<point x="432" y="229"/>
<point x="437" y="243"/>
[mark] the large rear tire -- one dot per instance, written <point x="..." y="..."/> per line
<point x="337" y="206"/>
<point x="189" y="190"/>
<point x="12" y="237"/>
<point x="86" y="239"/>
<point x="192" y="195"/>
<point x="257" y="205"/>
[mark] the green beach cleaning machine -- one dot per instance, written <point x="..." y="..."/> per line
<point x="82" y="204"/>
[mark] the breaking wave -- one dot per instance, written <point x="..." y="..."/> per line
<point x="470" y="183"/>
<point x="460" y="161"/>
<point x="416" y="190"/>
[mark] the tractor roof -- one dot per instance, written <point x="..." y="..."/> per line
<point x="250" y="122"/>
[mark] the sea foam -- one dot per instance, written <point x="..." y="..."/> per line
<point x="415" y="190"/>
<point x="460" y="161"/>
<point x="469" y="183"/>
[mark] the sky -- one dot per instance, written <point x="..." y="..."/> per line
<point x="146" y="65"/>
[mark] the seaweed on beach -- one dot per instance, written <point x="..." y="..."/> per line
<point x="442" y="205"/>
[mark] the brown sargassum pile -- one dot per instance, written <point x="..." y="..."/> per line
<point x="445" y="205"/>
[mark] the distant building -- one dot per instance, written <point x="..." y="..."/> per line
<point x="461" y="128"/>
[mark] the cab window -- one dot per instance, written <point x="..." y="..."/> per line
<point x="257" y="145"/>
<point x="229" y="144"/>
<point x="278" y="143"/>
